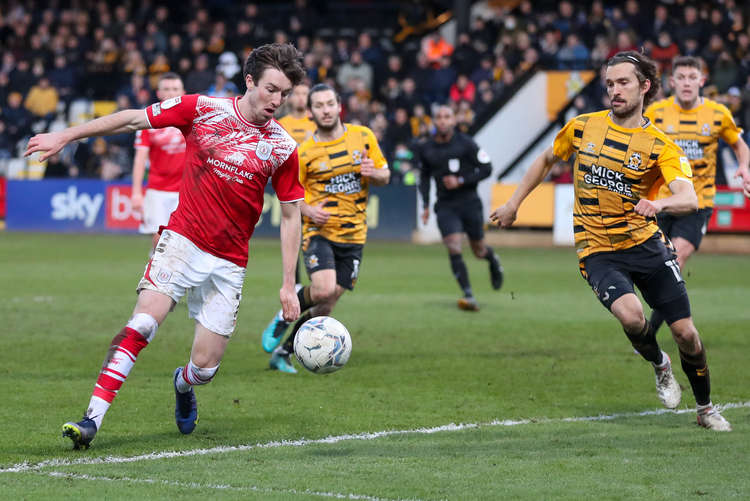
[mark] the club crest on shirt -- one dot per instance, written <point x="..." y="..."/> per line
<point x="706" y="130"/>
<point x="634" y="162"/>
<point x="263" y="150"/>
<point x="356" y="157"/>
<point x="590" y="148"/>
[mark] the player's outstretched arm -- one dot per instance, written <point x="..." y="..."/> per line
<point x="505" y="215"/>
<point x="116" y="123"/>
<point x="290" y="236"/>
<point x="742" y="152"/>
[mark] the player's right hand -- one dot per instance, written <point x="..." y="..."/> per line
<point x="136" y="201"/>
<point x="504" y="216"/>
<point x="48" y="144"/>
<point x="289" y="304"/>
<point x="425" y="215"/>
<point x="318" y="215"/>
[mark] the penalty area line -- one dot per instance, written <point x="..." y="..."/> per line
<point x="220" y="487"/>
<point x="56" y="463"/>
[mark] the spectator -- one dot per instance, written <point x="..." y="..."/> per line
<point x="664" y="51"/>
<point x="421" y="123"/>
<point x="465" y="56"/>
<point x="371" y="53"/>
<point x="21" y="78"/>
<point x="6" y="143"/>
<point x="463" y="90"/>
<point x="485" y="100"/>
<point x="17" y="118"/>
<point x="399" y="131"/>
<point x="222" y="87"/>
<point x="442" y="79"/>
<point x="57" y="168"/>
<point x="228" y="65"/>
<point x="63" y="77"/>
<point x="725" y="73"/>
<point x="692" y="26"/>
<point x="42" y="100"/>
<point x="356" y="67"/>
<point x="573" y="55"/>
<point x="435" y="48"/>
<point x="483" y="71"/>
<point x="200" y="78"/>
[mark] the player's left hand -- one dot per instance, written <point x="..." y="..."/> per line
<point x="646" y="208"/>
<point x="451" y="182"/>
<point x="289" y="303"/>
<point x="504" y="216"/>
<point x="745" y="175"/>
<point x="367" y="167"/>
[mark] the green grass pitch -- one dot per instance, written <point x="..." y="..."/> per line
<point x="540" y="351"/>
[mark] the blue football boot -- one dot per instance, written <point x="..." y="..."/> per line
<point x="281" y="361"/>
<point x="185" y="408"/>
<point x="274" y="332"/>
<point x="81" y="433"/>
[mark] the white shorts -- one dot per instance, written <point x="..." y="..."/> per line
<point x="157" y="207"/>
<point x="213" y="284"/>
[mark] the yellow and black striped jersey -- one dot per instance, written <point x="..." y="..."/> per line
<point x="300" y="129"/>
<point x="330" y="173"/>
<point x="614" y="168"/>
<point x="697" y="132"/>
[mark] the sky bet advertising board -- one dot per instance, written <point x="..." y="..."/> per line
<point x="93" y="206"/>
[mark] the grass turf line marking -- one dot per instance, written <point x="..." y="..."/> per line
<point x="52" y="463"/>
<point x="221" y="487"/>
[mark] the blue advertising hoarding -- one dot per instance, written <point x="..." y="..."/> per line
<point x="93" y="206"/>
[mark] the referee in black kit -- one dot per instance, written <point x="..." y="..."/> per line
<point x="457" y="164"/>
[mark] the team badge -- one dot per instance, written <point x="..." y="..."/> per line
<point x="590" y="148"/>
<point x="356" y="157"/>
<point x="163" y="276"/>
<point x="634" y="162"/>
<point x="706" y="130"/>
<point x="670" y="129"/>
<point x="156" y="109"/>
<point x="263" y="150"/>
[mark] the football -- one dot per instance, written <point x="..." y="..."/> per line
<point x="322" y="345"/>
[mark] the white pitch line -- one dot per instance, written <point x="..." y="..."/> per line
<point x="54" y="463"/>
<point x="221" y="487"/>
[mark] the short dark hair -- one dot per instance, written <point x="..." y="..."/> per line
<point x="645" y="69"/>
<point x="170" y="75"/>
<point x="688" y="61"/>
<point x="320" y="88"/>
<point x="282" y="56"/>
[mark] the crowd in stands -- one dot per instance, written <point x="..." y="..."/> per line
<point x="52" y="53"/>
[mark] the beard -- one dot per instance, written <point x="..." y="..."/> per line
<point x="626" y="112"/>
<point x="327" y="128"/>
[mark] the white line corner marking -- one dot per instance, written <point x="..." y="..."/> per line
<point x="55" y="463"/>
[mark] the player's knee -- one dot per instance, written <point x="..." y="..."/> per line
<point x="144" y="324"/>
<point x="197" y="375"/>
<point x="479" y="250"/>
<point x="632" y="321"/>
<point x="684" y="333"/>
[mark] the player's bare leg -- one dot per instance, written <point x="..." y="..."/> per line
<point x="458" y="267"/>
<point x="150" y="311"/>
<point x="205" y="358"/>
<point x="629" y="311"/>
<point x="483" y="251"/>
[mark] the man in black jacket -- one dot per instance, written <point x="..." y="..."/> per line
<point x="457" y="164"/>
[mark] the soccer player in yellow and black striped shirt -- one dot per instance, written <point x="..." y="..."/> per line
<point x="337" y="166"/>
<point x="696" y="124"/>
<point x="621" y="161"/>
<point x="296" y="122"/>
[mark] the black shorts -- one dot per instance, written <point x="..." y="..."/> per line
<point x="461" y="217"/>
<point x="691" y="227"/>
<point x="322" y="254"/>
<point x="652" y="266"/>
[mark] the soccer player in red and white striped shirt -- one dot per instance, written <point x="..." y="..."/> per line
<point x="234" y="146"/>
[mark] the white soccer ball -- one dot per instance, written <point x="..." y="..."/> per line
<point x="322" y="345"/>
